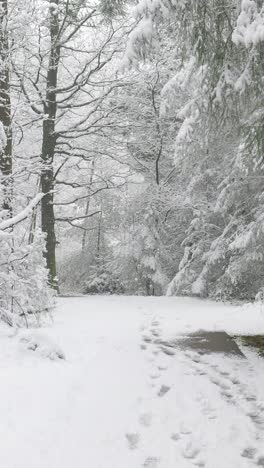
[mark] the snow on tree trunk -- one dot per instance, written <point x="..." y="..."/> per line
<point x="5" y="110"/>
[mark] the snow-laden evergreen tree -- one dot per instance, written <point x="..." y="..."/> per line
<point x="215" y="88"/>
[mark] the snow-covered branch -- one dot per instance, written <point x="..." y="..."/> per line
<point x="23" y="214"/>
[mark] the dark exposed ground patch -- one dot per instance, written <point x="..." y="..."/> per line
<point x="206" y="342"/>
<point x="253" y="341"/>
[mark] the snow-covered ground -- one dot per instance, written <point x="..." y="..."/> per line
<point x="119" y="400"/>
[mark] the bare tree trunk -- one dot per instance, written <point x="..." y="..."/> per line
<point x="148" y="287"/>
<point x="5" y="109"/>
<point x="88" y="204"/>
<point x="98" y="248"/>
<point x="33" y="223"/>
<point x="48" y="148"/>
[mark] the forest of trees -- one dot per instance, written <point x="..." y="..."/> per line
<point x="131" y="150"/>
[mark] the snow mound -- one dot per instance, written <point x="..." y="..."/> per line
<point x="42" y="344"/>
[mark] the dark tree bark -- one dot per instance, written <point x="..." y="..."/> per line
<point x="48" y="148"/>
<point x="58" y="101"/>
<point x="5" y="109"/>
<point x="88" y="204"/>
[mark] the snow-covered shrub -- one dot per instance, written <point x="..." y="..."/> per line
<point x="104" y="283"/>
<point x="41" y="344"/>
<point x="224" y="250"/>
<point x="24" y="294"/>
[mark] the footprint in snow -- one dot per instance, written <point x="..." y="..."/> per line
<point x="213" y="366"/>
<point x="227" y="395"/>
<point x="155" y="376"/>
<point x="191" y="355"/>
<point x="235" y="381"/>
<point x="147" y="339"/>
<point x="249" y="453"/>
<point x="167" y="351"/>
<point x="145" y="419"/>
<point x="151" y="462"/>
<point x="207" y="409"/>
<point x="190" y="451"/>
<point x="210" y="413"/>
<point x="260" y="461"/>
<point x="155" y="323"/>
<point x="251" y="398"/>
<point x="255" y="417"/>
<point x="150" y="359"/>
<point x="196" y="359"/>
<point x="220" y="383"/>
<point x="184" y="430"/>
<point x="175" y="437"/>
<point x="163" y="390"/>
<point x="162" y="367"/>
<point x="133" y="440"/>
<point x="199" y="463"/>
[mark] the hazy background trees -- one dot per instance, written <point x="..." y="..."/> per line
<point x="219" y="144"/>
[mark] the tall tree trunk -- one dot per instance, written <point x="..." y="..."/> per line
<point x="48" y="147"/>
<point x="33" y="224"/>
<point x="88" y="203"/>
<point x="99" y="234"/>
<point x="5" y="108"/>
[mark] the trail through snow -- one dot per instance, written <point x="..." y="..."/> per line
<point x="123" y="399"/>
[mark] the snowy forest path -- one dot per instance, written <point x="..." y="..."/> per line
<point x="127" y="395"/>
